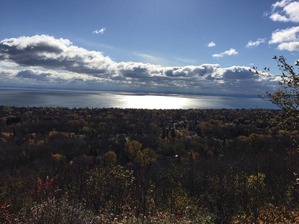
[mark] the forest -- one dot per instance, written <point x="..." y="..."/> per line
<point x="83" y="165"/>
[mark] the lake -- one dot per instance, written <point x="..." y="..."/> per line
<point x="103" y="99"/>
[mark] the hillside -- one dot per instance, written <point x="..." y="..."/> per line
<point x="61" y="165"/>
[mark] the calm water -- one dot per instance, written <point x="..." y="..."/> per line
<point x="93" y="99"/>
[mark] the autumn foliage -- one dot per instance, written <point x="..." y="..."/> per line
<point x="61" y="165"/>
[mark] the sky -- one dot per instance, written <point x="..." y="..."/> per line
<point x="178" y="46"/>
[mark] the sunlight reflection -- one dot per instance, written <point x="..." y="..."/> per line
<point x="98" y="99"/>
<point x="155" y="102"/>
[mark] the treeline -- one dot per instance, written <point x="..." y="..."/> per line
<point x="61" y="165"/>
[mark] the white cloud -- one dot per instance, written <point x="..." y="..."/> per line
<point x="49" y="52"/>
<point x="287" y="39"/>
<point x="47" y="61"/>
<point x="211" y="44"/>
<point x="276" y="17"/>
<point x="34" y="41"/>
<point x="289" y="34"/>
<point x="289" y="46"/>
<point x="256" y="43"/>
<point x="281" y="4"/>
<point x="100" y="31"/>
<point x="229" y="52"/>
<point x="285" y="11"/>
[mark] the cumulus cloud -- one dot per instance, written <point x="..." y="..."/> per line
<point x="100" y="31"/>
<point x="229" y="52"/>
<point x="281" y="4"/>
<point x="211" y="44"/>
<point x="289" y="46"/>
<point x="285" y="11"/>
<point x="277" y="17"/>
<point x="49" y="52"/>
<point x="46" y="60"/>
<point x="289" y="34"/>
<point x="287" y="39"/>
<point x="255" y="43"/>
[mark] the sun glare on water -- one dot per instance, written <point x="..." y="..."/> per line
<point x="155" y="102"/>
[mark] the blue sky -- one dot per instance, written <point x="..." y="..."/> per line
<point x="198" y="46"/>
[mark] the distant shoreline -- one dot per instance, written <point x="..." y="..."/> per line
<point x="128" y="91"/>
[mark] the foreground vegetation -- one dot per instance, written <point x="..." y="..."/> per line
<point x="62" y="165"/>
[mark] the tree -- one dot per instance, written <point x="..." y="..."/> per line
<point x="287" y="96"/>
<point x="142" y="160"/>
<point x="110" y="158"/>
<point x="287" y="99"/>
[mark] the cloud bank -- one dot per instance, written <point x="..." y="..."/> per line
<point x="55" y="62"/>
